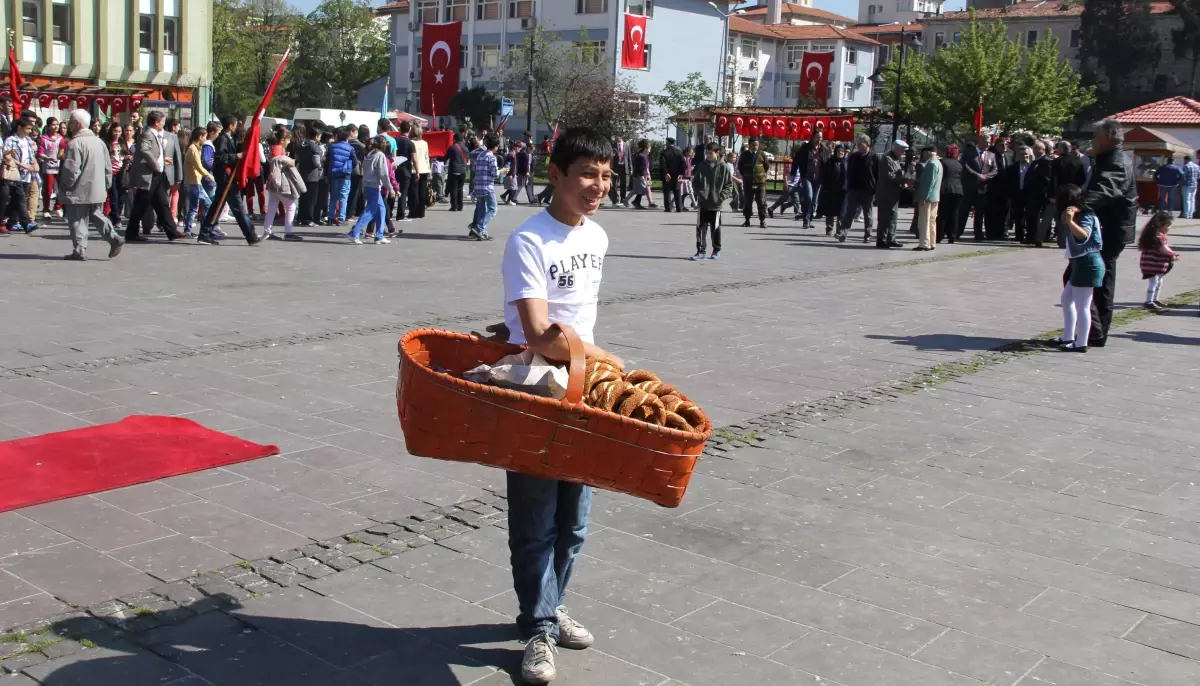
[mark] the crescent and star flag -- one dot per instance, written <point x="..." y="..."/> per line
<point x="14" y="81"/>
<point x="633" y="48"/>
<point x="752" y="126"/>
<point x="767" y="127"/>
<point x="814" y="76"/>
<point x="793" y="128"/>
<point x="740" y="123"/>
<point x="439" y="73"/>
<point x="722" y="127"/>
<point x="250" y="166"/>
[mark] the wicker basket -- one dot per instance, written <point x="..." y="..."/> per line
<point x="449" y="418"/>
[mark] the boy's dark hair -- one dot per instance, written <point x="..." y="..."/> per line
<point x="1069" y="195"/>
<point x="927" y="148"/>
<point x="228" y="121"/>
<point x="154" y="117"/>
<point x="213" y="128"/>
<point x="343" y="135"/>
<point x="1149" y="238"/>
<point x="714" y="147"/>
<point x="171" y="122"/>
<point x="491" y="142"/>
<point x="384" y="125"/>
<point x="643" y="144"/>
<point x="580" y="143"/>
<point x="405" y="127"/>
<point x="458" y="137"/>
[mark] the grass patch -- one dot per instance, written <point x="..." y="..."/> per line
<point x="353" y="539"/>
<point x="87" y="643"/>
<point x="244" y="565"/>
<point x="379" y="550"/>
<point x="13" y="638"/>
<point x="734" y="436"/>
<point x="142" y="611"/>
<point x="36" y="647"/>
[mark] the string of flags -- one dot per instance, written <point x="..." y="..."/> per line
<point x="795" y="128"/>
<point x="114" y="104"/>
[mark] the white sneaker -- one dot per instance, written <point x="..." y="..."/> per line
<point x="381" y="241"/>
<point x="46" y="214"/>
<point x="356" y="241"/>
<point x="572" y="634"/>
<point x="218" y="232"/>
<point x="58" y="213"/>
<point x="537" y="666"/>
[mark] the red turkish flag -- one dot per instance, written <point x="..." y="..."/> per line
<point x="752" y="126"/>
<point x="64" y="101"/>
<point x="44" y="99"/>
<point x="14" y="82"/>
<point x="250" y="166"/>
<point x="847" y="132"/>
<point x="722" y="127"/>
<point x="806" y="128"/>
<point x="793" y="128"/>
<point x="439" y="72"/>
<point x="780" y="127"/>
<point x="814" y="76"/>
<point x="740" y="123"/>
<point x="767" y="126"/>
<point x="633" y="49"/>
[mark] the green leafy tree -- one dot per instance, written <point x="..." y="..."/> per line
<point x="1185" y="40"/>
<point x="342" y="45"/>
<point x="478" y="104"/>
<point x="682" y="96"/>
<point x="249" y="37"/>
<point x="1118" y="40"/>
<point x="1028" y="89"/>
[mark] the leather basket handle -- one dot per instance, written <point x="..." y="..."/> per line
<point x="576" y="368"/>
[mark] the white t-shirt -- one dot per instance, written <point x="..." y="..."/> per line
<point x="548" y="260"/>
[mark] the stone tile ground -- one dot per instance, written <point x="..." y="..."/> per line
<point x="1032" y="521"/>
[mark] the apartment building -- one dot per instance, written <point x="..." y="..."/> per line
<point x="101" y="53"/>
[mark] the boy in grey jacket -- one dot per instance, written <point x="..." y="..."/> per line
<point x="712" y="185"/>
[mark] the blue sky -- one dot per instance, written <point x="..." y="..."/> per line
<point x="847" y="8"/>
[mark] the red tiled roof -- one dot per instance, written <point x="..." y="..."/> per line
<point x="884" y="29"/>
<point x="792" y="9"/>
<point x="1035" y="9"/>
<point x="1178" y="110"/>
<point x="393" y="7"/>
<point x="794" y="32"/>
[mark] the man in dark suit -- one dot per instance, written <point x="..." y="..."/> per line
<point x="1033" y="196"/>
<point x="999" y="195"/>
<point x="1065" y="168"/>
<point x="979" y="167"/>
<point x="672" y="166"/>
<point x="152" y="171"/>
<point x="225" y="160"/>
<point x="1112" y="195"/>
<point x="622" y="166"/>
<point x="862" y="170"/>
<point x="6" y="116"/>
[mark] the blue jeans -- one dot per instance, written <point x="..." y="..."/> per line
<point x="339" y="192"/>
<point x="1189" y="201"/>
<point x="197" y="197"/>
<point x="812" y="192"/>
<point x="485" y="210"/>
<point x="1166" y="197"/>
<point x="547" y="524"/>
<point x="374" y="210"/>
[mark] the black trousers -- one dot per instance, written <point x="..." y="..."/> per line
<point x="322" y="207"/>
<point x="754" y="195"/>
<point x="616" y="192"/>
<point x="14" y="198"/>
<point x="708" y="221"/>
<point x="1032" y="217"/>
<point x="671" y="189"/>
<point x="455" y="189"/>
<point x="948" y="224"/>
<point x="306" y="212"/>
<point x="1103" y="297"/>
<point x="154" y="197"/>
<point x="971" y="201"/>
<point x="886" y="232"/>
<point x="405" y="182"/>
<point x="997" y="217"/>
<point x="418" y="190"/>
<point x="354" y="204"/>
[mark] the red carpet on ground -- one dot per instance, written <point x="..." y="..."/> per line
<point x="41" y="469"/>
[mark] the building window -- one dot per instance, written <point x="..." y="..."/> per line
<point x="146" y="32"/>
<point x="640" y="104"/>
<point x="848" y="92"/>
<point x="643" y="7"/>
<point x="749" y="49"/>
<point x="795" y="52"/>
<point x="939" y="39"/>
<point x="1030" y="38"/>
<point x="427" y="11"/>
<point x="649" y="54"/>
<point x="1075" y="38"/>
<point x="958" y="36"/>
<point x="591" y="51"/>
<point x="464" y="56"/>
<point x="885" y="54"/>
<point x="61" y="22"/>
<point x="791" y="91"/>
<point x="31" y="19"/>
<point x="521" y="9"/>
<point x="487" y="56"/>
<point x="746" y="88"/>
<point x="591" y="6"/>
<point x="851" y="56"/>
<point x="823" y="47"/>
<point x="487" y="9"/>
<point x="171" y="35"/>
<point x="457" y="10"/>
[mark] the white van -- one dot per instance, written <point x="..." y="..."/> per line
<point x="337" y="118"/>
<point x="266" y="126"/>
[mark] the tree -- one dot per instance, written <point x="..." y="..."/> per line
<point x="478" y="104"/>
<point x="1030" y="89"/>
<point x="340" y="44"/>
<point x="1118" y="40"/>
<point x="683" y="96"/>
<point x="1186" y="39"/>
<point x="249" y="37"/>
<point x="573" y="84"/>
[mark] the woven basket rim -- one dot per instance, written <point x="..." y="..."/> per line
<point x="476" y="390"/>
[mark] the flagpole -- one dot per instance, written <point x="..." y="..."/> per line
<point x="237" y="172"/>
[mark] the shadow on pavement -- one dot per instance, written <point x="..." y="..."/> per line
<point x="238" y="646"/>
<point x="947" y="342"/>
<point x="1157" y="337"/>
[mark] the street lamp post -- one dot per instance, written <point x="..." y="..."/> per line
<point x="724" y="49"/>
<point x="877" y="77"/>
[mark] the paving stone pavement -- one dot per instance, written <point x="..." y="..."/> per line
<point x="1023" y="519"/>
